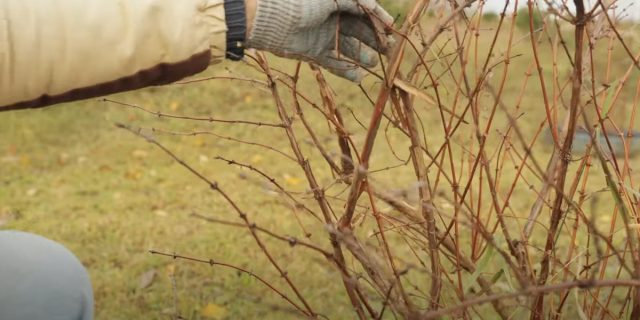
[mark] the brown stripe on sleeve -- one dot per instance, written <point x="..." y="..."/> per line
<point x="159" y="75"/>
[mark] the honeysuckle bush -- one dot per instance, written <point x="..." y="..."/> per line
<point x="448" y="183"/>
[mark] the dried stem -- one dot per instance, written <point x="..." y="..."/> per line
<point x="557" y="212"/>
<point x="451" y="218"/>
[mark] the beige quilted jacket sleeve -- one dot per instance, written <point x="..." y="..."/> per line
<point x="54" y="51"/>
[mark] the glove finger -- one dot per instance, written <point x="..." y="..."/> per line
<point x="370" y="7"/>
<point x="352" y="26"/>
<point x="357" y="51"/>
<point x="380" y="13"/>
<point x="341" y="67"/>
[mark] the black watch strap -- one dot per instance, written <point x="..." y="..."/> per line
<point x="236" y="17"/>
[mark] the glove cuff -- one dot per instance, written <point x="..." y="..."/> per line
<point x="236" y="18"/>
<point x="273" y="23"/>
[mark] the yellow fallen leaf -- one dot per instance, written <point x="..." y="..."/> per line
<point x="213" y="311"/>
<point x="198" y="141"/>
<point x="248" y="99"/>
<point x="32" y="192"/>
<point x="171" y="270"/>
<point x="291" y="180"/>
<point x="161" y="213"/>
<point x="133" y="174"/>
<point x="63" y="158"/>
<point x="174" y="106"/>
<point x="256" y="158"/>
<point x="139" y="154"/>
<point x="25" y="161"/>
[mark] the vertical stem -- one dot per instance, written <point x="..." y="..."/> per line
<point x="565" y="157"/>
<point x="553" y="127"/>
<point x="426" y="205"/>
<point x="381" y="103"/>
<point x="318" y="192"/>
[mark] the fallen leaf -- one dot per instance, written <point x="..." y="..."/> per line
<point x="8" y="215"/>
<point x="32" y="192"/>
<point x="291" y="180"/>
<point x="12" y="150"/>
<point x="133" y="174"/>
<point x="171" y="270"/>
<point x="5" y="218"/>
<point x="161" y="213"/>
<point x="198" y="141"/>
<point x="139" y="154"/>
<point x="213" y="311"/>
<point x="25" y="161"/>
<point x="256" y="158"/>
<point x="10" y="159"/>
<point x="146" y="279"/>
<point x="174" y="106"/>
<point x="169" y="312"/>
<point x="63" y="158"/>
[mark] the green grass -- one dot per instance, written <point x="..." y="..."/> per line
<point x="69" y="174"/>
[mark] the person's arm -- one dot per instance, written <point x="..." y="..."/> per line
<point x="64" y="50"/>
<point x="67" y="50"/>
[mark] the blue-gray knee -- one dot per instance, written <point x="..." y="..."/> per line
<point x="41" y="279"/>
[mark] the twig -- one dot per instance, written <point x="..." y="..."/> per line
<point x="539" y="290"/>
<point x="204" y="119"/>
<point x="213" y="263"/>
<point x="215" y="187"/>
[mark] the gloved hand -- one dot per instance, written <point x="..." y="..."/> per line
<point x="307" y="30"/>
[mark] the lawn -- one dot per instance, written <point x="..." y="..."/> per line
<point x="69" y="174"/>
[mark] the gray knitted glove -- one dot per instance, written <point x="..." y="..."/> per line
<point x="307" y="30"/>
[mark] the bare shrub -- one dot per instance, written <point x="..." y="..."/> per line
<point x="449" y="184"/>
